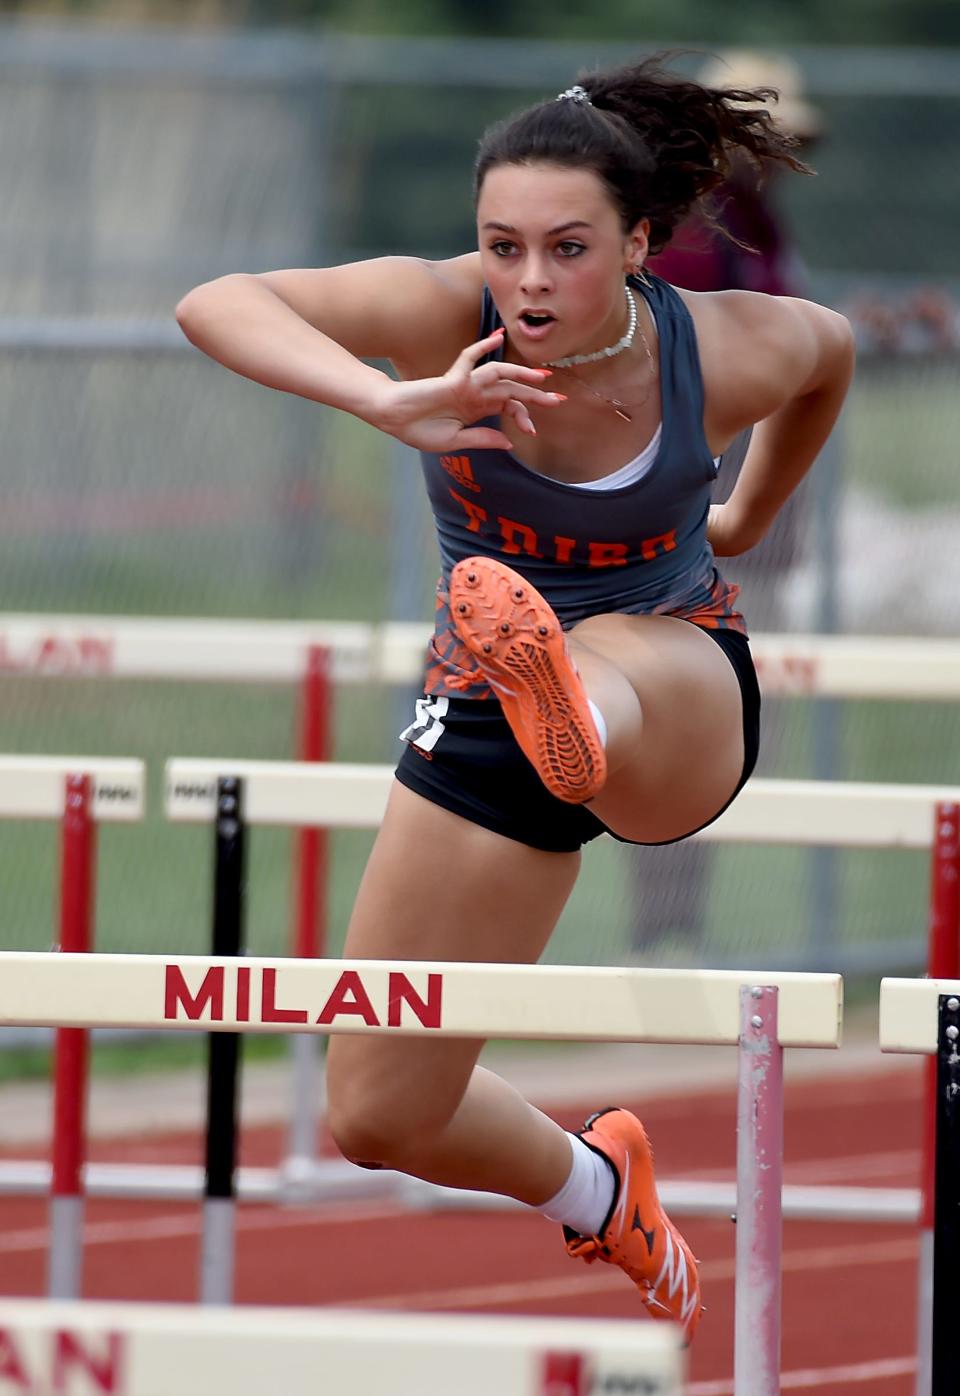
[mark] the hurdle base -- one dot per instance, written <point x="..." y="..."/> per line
<point x="305" y="1180"/>
<point x="333" y="1180"/>
<point x="705" y="1199"/>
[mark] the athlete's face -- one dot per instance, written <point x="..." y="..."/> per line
<point x="554" y="254"/>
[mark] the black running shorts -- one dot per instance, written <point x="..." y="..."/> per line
<point x="461" y="754"/>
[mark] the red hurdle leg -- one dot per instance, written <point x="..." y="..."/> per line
<point x="78" y="850"/>
<point x="311" y="930"/>
<point x="316" y="744"/>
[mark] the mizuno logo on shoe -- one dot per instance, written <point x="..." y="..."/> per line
<point x="673" y="1278"/>
<point x="637" y="1225"/>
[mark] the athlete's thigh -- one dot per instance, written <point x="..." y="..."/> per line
<point x="689" y="759"/>
<point x="437" y="887"/>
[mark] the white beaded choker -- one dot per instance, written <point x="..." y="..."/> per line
<point x="611" y="350"/>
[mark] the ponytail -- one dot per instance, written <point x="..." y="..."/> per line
<point x="659" y="142"/>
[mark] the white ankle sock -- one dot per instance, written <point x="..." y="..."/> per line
<point x="598" y="720"/>
<point x="584" y="1200"/>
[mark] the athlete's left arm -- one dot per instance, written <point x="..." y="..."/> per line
<point x="794" y="369"/>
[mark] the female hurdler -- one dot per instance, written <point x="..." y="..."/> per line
<point x="590" y="672"/>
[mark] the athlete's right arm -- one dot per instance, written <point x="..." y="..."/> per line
<point x="309" y="331"/>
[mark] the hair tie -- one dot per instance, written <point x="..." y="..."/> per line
<point x="575" y="94"/>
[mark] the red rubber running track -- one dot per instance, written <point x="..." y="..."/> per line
<point x="849" y="1289"/>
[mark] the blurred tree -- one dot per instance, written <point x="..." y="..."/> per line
<point x="754" y="22"/>
<point x="762" y="23"/>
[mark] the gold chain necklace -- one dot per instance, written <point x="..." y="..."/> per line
<point x="622" y="408"/>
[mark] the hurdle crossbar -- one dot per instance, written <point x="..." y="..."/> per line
<point x="32" y="787"/>
<point x="853" y="814"/>
<point x="156" y="1349"/>
<point x="561" y="1002"/>
<point x="909" y="1013"/>
<point x="142" y="647"/>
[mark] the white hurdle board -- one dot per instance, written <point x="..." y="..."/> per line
<point x="426" y="999"/>
<point x="135" y="647"/>
<point x="852" y="814"/>
<point x="909" y="1013"/>
<point x="33" y="787"/>
<point x="160" y="1349"/>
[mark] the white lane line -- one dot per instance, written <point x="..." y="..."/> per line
<point x="564" y="1287"/>
<point x="884" y="1369"/>
<point x="899" y="1163"/>
<point x="37" y="1238"/>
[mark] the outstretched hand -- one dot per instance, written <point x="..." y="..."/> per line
<point x="434" y="414"/>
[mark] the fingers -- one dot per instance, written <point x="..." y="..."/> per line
<point x="519" y="373"/>
<point x="505" y="391"/>
<point x="470" y="357"/>
<point x="473" y="353"/>
<point x="520" y="415"/>
<point x="481" y="439"/>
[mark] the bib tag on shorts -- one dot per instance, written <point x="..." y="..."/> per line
<point x="427" y="728"/>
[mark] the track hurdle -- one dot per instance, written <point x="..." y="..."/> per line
<point x="79" y="792"/>
<point x="923" y="1015"/>
<point x="761" y="1014"/>
<point x="148" y="647"/>
<point x="153" y="1350"/>
<point x="847" y="814"/>
<point x="308" y="657"/>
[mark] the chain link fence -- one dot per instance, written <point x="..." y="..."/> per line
<point x="140" y="479"/>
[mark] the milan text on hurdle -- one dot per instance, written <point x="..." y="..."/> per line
<point x="65" y="1355"/>
<point x="348" y="998"/>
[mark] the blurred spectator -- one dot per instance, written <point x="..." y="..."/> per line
<point x="754" y="253"/>
<point x="925" y="321"/>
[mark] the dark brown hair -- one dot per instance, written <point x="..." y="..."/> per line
<point x="659" y="142"/>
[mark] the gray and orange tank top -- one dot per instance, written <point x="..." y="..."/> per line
<point x="640" y="549"/>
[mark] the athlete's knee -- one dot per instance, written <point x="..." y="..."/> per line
<point x="376" y="1123"/>
<point x="374" y="1134"/>
<point x="364" y="1139"/>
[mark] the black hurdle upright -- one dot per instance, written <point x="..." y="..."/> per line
<point x="223" y="1061"/>
<point x="945" y="1365"/>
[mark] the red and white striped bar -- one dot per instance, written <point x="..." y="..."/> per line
<point x="845" y="814"/>
<point x="558" y="1002"/>
<point x="156" y="1350"/>
<point x="826" y="666"/>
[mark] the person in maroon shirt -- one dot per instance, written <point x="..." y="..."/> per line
<point x="740" y="242"/>
<point x="748" y="245"/>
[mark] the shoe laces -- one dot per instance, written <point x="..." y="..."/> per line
<point x="583" y="1248"/>
<point x="461" y="681"/>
